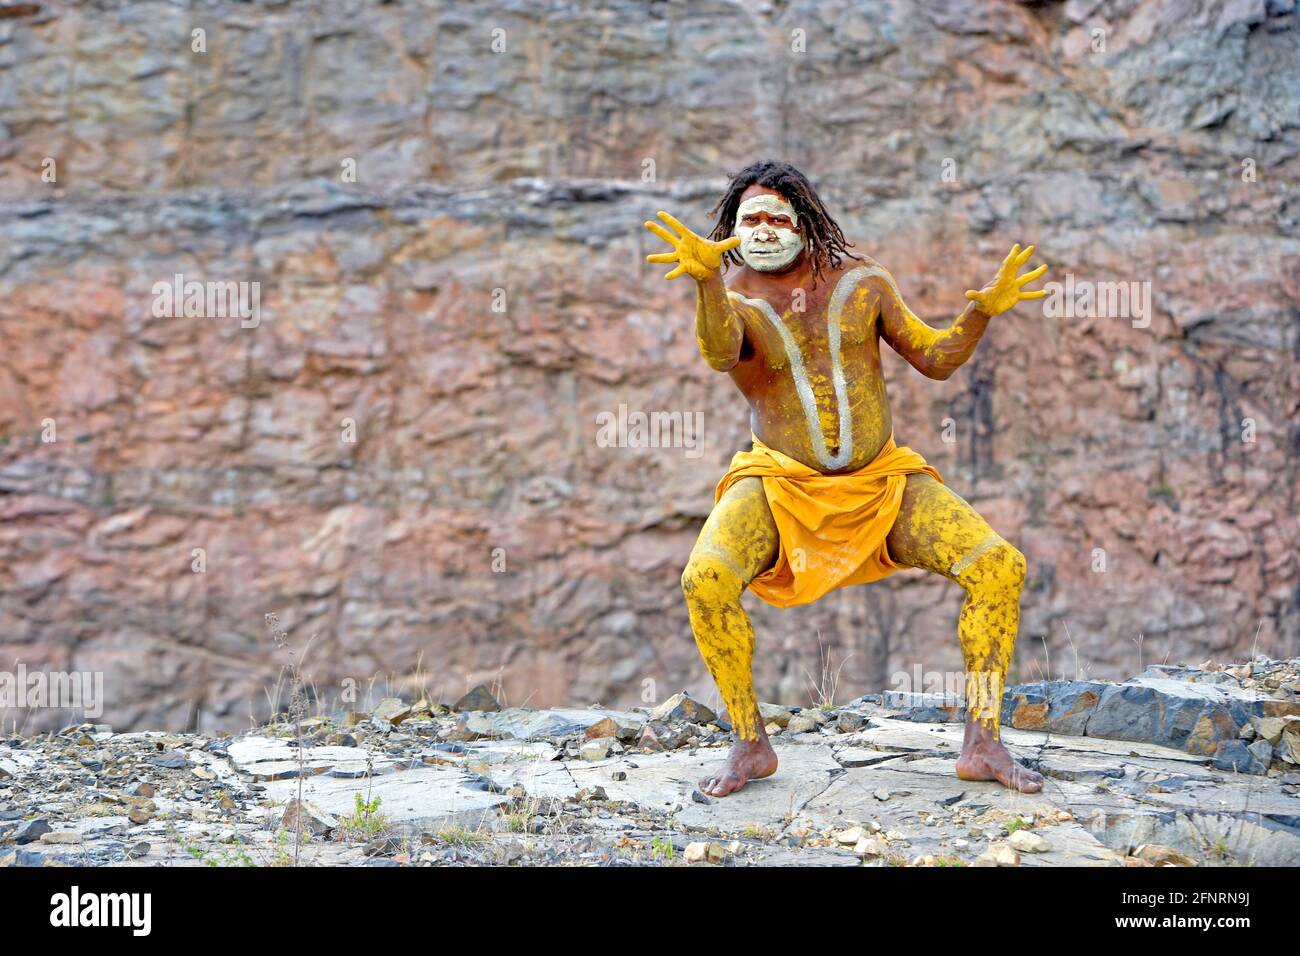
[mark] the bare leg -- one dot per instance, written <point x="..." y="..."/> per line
<point x="938" y="531"/>
<point x="738" y="542"/>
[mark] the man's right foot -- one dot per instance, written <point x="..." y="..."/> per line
<point x="747" y="760"/>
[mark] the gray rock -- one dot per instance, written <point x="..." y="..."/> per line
<point x="314" y="820"/>
<point x="661" y="736"/>
<point x="1236" y="756"/>
<point x="799" y="724"/>
<point x="473" y="725"/>
<point x="1059" y="707"/>
<point x="774" y="714"/>
<point x="683" y="708"/>
<point x="848" y="721"/>
<point x="1027" y="841"/>
<point x="926" y="708"/>
<point x="623" y="727"/>
<point x="272" y="758"/>
<point x="1196" y="717"/>
<point x="524" y="723"/>
<point x="1268" y="728"/>
<point x="598" y="749"/>
<point x="31" y="831"/>
<point x="480" y="698"/>
<point x="1262" y="750"/>
<point x="391" y="710"/>
<point x="999" y="854"/>
<point x="1288" y="745"/>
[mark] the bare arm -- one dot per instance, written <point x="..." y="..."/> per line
<point x="719" y="330"/>
<point x="937" y="353"/>
<point x="719" y="327"/>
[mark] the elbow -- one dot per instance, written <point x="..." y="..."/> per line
<point x="719" y="359"/>
<point x="721" y="363"/>
<point x="939" y="371"/>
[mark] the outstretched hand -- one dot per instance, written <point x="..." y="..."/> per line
<point x="1006" y="289"/>
<point x="693" y="254"/>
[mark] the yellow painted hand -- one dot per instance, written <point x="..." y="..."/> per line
<point x="1006" y="288"/>
<point x="693" y="254"/>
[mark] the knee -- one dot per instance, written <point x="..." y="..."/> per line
<point x="999" y="572"/>
<point x="710" y="580"/>
<point x="1016" y="567"/>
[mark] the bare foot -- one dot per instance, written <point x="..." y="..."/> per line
<point x="747" y="760"/>
<point x="984" y="758"/>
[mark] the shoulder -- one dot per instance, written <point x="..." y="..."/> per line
<point x="869" y="274"/>
<point x="742" y="295"/>
<point x="736" y="283"/>
<point x="863" y="275"/>
<point x="864" y="269"/>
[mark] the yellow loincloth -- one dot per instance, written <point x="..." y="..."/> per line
<point x="832" y="527"/>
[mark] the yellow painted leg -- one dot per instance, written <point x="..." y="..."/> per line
<point x="738" y="543"/>
<point x="938" y="531"/>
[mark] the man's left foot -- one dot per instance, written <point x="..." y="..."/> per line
<point x="985" y="758"/>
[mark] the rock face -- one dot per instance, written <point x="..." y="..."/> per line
<point x="883" y="794"/>
<point x="1241" y="716"/>
<point x="402" y="456"/>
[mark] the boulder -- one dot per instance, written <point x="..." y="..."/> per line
<point x="685" y="709"/>
<point x="479" y="698"/>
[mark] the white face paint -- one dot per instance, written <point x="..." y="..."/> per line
<point x="767" y="248"/>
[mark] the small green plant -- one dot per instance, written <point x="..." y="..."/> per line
<point x="365" y="821"/>
<point x="288" y="846"/>
<point x="223" y="856"/>
<point x="459" y="836"/>
<point x="662" y="847"/>
<point x="520" y="817"/>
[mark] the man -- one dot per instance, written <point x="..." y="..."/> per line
<point x="826" y="499"/>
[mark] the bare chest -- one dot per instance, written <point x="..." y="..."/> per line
<point x="817" y="330"/>
<point x="817" y="357"/>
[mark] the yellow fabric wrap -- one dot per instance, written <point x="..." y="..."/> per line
<point x="832" y="527"/>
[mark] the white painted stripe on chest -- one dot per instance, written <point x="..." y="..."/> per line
<point x="799" y="371"/>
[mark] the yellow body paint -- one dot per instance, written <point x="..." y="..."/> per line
<point x="806" y="357"/>
<point x="738" y="542"/>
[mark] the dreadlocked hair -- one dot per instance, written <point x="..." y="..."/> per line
<point x="826" y="243"/>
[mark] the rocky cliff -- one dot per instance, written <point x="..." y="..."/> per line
<point x="441" y="205"/>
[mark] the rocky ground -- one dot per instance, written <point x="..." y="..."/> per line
<point x="1178" y="766"/>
